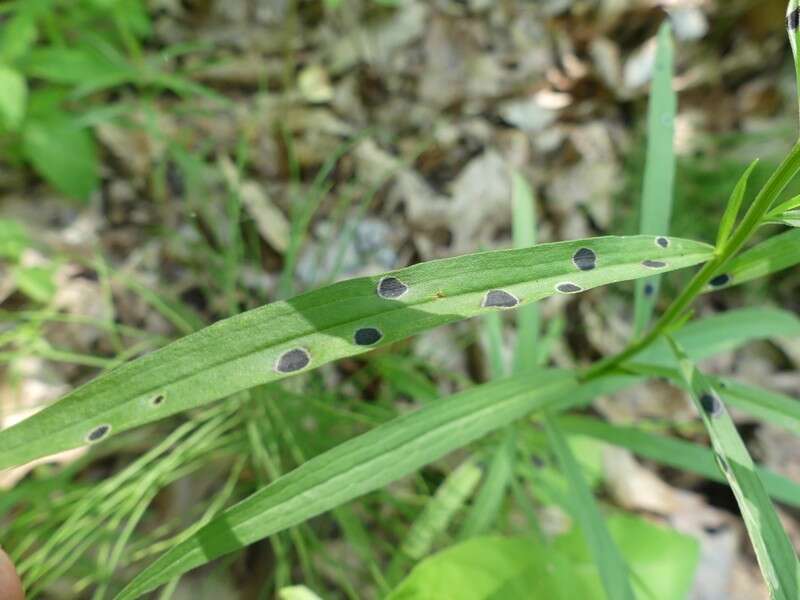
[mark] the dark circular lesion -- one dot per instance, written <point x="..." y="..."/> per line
<point x="157" y="400"/>
<point x="293" y="360"/>
<point x="98" y="433"/>
<point x="499" y="299"/>
<point x="720" y="280"/>
<point x="654" y="264"/>
<point x="585" y="259"/>
<point x="711" y="404"/>
<point x="568" y="288"/>
<point x="391" y="288"/>
<point x="367" y="336"/>
<point x="649" y="289"/>
<point x="662" y="241"/>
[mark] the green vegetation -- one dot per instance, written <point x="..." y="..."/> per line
<point x="462" y="477"/>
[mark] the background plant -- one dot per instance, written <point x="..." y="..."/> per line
<point x="292" y="474"/>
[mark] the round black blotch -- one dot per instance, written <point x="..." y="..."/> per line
<point x="391" y="288"/>
<point x="98" y="433"/>
<point x="720" y="280"/>
<point x="662" y="241"/>
<point x="584" y="259"/>
<point x="649" y="289"/>
<point x="568" y="288"/>
<point x="711" y="404"/>
<point x="293" y="360"/>
<point x="366" y="336"/>
<point x="157" y="400"/>
<point x="793" y="20"/>
<point x="654" y="264"/>
<point x="499" y="299"/>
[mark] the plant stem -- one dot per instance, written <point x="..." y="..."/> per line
<point x="751" y="221"/>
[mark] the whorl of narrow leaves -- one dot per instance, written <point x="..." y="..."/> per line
<point x="340" y="320"/>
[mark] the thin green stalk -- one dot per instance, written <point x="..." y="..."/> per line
<point x="751" y="221"/>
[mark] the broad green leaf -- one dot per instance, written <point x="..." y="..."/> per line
<point x="659" y="171"/>
<point x="35" y="282"/>
<point x="13" y="239"/>
<point x="772" y="546"/>
<point x="674" y="452"/>
<point x="82" y="66"/>
<point x="344" y="319"/>
<point x="63" y="153"/>
<point x="770" y="256"/>
<point x="13" y="98"/>
<point x="488" y="568"/>
<point x="662" y="561"/>
<point x="610" y="564"/>
<point x="734" y="204"/>
<point x="358" y="466"/>
<point x="19" y="32"/>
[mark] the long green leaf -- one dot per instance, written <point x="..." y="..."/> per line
<point x="610" y="563"/>
<point x="674" y="453"/>
<point x="358" y="466"/>
<point x="734" y="204"/>
<point x="772" y="546"/>
<point x="775" y="254"/>
<point x="659" y="172"/>
<point x="344" y="319"/>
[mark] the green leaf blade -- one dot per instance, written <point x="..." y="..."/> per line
<point x="734" y="205"/>
<point x="358" y="466"/>
<point x="247" y="350"/>
<point x="659" y="174"/>
<point x="774" y="551"/>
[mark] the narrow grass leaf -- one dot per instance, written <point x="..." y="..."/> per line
<point x="774" y="550"/>
<point x="449" y="498"/>
<point x="344" y="319"/>
<point x="659" y="171"/>
<point x="774" y="254"/>
<point x="790" y="218"/>
<point x="734" y="204"/>
<point x="610" y="563"/>
<point x="524" y="234"/>
<point x="793" y="28"/>
<point x="673" y="452"/>
<point x="358" y="466"/>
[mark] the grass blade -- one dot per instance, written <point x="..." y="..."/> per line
<point x="610" y="563"/>
<point x="674" y="453"/>
<point x="358" y="466"/>
<point x="793" y="28"/>
<point x="524" y="234"/>
<point x="774" y="551"/>
<point x="344" y="319"/>
<point x="659" y="171"/>
<point x="734" y="204"/>
<point x="774" y="254"/>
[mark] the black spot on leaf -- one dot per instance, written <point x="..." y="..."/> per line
<point x="662" y="241"/>
<point x="711" y="404"/>
<point x="720" y="280"/>
<point x="391" y="288"/>
<point x="793" y="20"/>
<point x="568" y="288"/>
<point x="293" y="360"/>
<point x="654" y="264"/>
<point x="649" y="289"/>
<point x="500" y="299"/>
<point x="157" y="400"/>
<point x="584" y="259"/>
<point x="366" y="336"/>
<point x="98" y="433"/>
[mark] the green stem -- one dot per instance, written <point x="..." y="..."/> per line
<point x="751" y="221"/>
